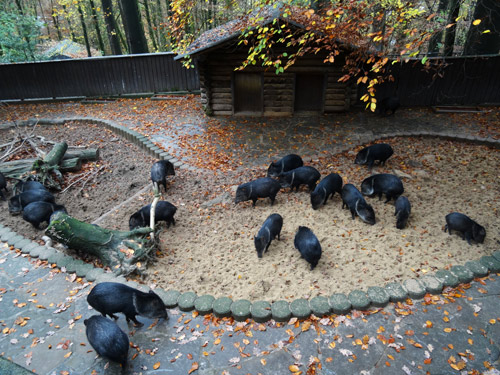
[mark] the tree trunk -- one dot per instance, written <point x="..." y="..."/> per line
<point x="84" y="29"/>
<point x="152" y="34"/>
<point x="449" y="36"/>
<point x="72" y="33"/>
<point x="133" y="27"/>
<point x="437" y="38"/>
<point x="95" y="21"/>
<point x="111" y="27"/>
<point x="477" y="43"/>
<point x="125" y="252"/>
<point x="55" y="20"/>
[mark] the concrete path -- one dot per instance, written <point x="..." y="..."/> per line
<point x="43" y="308"/>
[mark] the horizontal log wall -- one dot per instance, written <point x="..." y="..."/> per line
<point x="217" y="69"/>
<point x="96" y="77"/>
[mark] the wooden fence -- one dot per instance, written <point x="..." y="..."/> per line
<point x="450" y="81"/>
<point x="96" y="77"/>
<point x="459" y="81"/>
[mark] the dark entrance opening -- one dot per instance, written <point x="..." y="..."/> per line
<point x="248" y="92"/>
<point x="309" y="92"/>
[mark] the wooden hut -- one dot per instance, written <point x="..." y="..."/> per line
<point x="310" y="86"/>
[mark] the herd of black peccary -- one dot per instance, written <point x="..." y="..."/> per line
<point x="37" y="205"/>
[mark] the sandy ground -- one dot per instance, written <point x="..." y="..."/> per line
<point x="211" y="251"/>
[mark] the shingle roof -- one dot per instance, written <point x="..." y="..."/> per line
<point x="232" y="29"/>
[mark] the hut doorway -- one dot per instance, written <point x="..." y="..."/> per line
<point x="309" y="88"/>
<point x="248" y="96"/>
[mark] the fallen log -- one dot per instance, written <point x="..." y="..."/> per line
<point x="125" y="252"/>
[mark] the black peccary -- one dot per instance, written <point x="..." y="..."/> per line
<point x="308" y="245"/>
<point x="39" y="212"/>
<point x="469" y="229"/>
<point x="18" y="202"/>
<point x="268" y="232"/>
<point x="352" y="198"/>
<point x="325" y="189"/>
<point x="260" y="188"/>
<point x="368" y="155"/>
<point x="300" y="176"/>
<point x="164" y="211"/>
<point x="159" y="172"/>
<point x="3" y="185"/>
<point x="285" y="164"/>
<point x="23" y="186"/>
<point x="388" y="105"/>
<point x="403" y="209"/>
<point x="383" y="183"/>
<point x="109" y="298"/>
<point x="107" y="339"/>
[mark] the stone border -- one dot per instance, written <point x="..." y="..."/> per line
<point x="262" y="311"/>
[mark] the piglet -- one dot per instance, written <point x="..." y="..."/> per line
<point x="109" y="298"/>
<point x="469" y="229"/>
<point x="268" y="232"/>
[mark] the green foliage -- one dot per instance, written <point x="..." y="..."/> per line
<point x="19" y="36"/>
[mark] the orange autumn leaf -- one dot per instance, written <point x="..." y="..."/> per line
<point x="293" y="368"/>
<point x="428" y="361"/>
<point x="157" y="365"/>
<point x="194" y="367"/>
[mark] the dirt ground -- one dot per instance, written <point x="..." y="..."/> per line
<point x="210" y="250"/>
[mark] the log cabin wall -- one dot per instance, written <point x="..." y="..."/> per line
<point x="217" y="72"/>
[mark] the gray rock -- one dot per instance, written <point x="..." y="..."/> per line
<point x="222" y="307"/>
<point x="378" y="296"/>
<point x="414" y="288"/>
<point x="447" y="278"/>
<point x="319" y="306"/>
<point x="491" y="262"/>
<point x="169" y="298"/>
<point x="478" y="269"/>
<point x="396" y="292"/>
<point x="339" y="303"/>
<point x="463" y="274"/>
<point x="93" y="274"/>
<point x="241" y="310"/>
<point x="204" y="304"/>
<point x="280" y="311"/>
<point x="186" y="301"/>
<point x="359" y="300"/>
<point x="261" y="311"/>
<point x="300" y="308"/>
<point x="432" y="284"/>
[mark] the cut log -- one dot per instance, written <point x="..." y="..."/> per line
<point x="125" y="252"/>
<point x="70" y="165"/>
<point x="88" y="154"/>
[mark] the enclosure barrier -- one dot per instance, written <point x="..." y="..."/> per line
<point x="96" y="77"/>
<point x="469" y="80"/>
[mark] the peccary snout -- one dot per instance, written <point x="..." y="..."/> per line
<point x="109" y="298"/>
<point x="469" y="229"/>
<point x="107" y="339"/>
